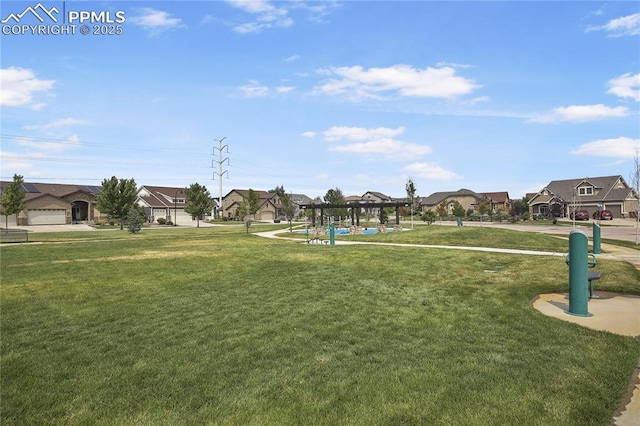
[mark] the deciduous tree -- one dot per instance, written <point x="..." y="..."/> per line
<point x="519" y="207"/>
<point x="483" y="208"/>
<point x="287" y="208"/>
<point x="199" y="202"/>
<point x="410" y="187"/>
<point x="12" y="198"/>
<point x="279" y="190"/>
<point x="116" y="198"/>
<point x="334" y="196"/>
<point x="441" y="210"/>
<point x="253" y="202"/>
<point x="457" y="210"/>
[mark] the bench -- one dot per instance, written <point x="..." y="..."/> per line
<point x="593" y="276"/>
<point x="14" y="236"/>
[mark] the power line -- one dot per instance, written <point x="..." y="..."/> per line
<point x="43" y="140"/>
<point x="89" y="161"/>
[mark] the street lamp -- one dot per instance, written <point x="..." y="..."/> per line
<point x="175" y="207"/>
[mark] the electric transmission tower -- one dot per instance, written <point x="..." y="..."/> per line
<point x="220" y="161"/>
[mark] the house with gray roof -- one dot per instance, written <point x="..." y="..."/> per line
<point x="561" y="197"/>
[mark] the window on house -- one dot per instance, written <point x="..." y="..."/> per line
<point x="585" y="190"/>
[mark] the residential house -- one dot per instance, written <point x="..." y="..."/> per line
<point x="467" y="199"/>
<point x="374" y="197"/>
<point x="268" y="205"/>
<point x="498" y="200"/>
<point x="561" y="197"/>
<point x="299" y="200"/>
<point x="164" y="202"/>
<point x="55" y="204"/>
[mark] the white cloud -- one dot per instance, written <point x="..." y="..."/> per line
<point x="292" y="58"/>
<point x="254" y="89"/>
<point x="625" y="86"/>
<point x="373" y="143"/>
<point x="477" y="100"/>
<point x="431" y="171"/>
<point x="267" y="16"/>
<point x="389" y="148"/>
<point x="66" y="122"/>
<point x="318" y="11"/>
<point x="156" y="21"/>
<point x="582" y="113"/>
<point x="19" y="85"/>
<point x="624" y="26"/>
<point x="452" y="65"/>
<point x="285" y="89"/>
<point x="336" y="133"/>
<point x="404" y="80"/>
<point x="48" y="145"/>
<point x="309" y="134"/>
<point x="63" y="122"/>
<point x="622" y="147"/>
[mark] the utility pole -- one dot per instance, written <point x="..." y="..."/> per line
<point x="220" y="161"/>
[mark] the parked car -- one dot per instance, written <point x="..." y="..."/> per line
<point x="603" y="215"/>
<point x="580" y="215"/>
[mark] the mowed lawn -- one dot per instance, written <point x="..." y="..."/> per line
<point x="214" y="326"/>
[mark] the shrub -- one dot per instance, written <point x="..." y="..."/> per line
<point x="475" y="217"/>
<point x="168" y="222"/>
<point x="429" y="216"/>
<point x="501" y="215"/>
<point x="161" y="221"/>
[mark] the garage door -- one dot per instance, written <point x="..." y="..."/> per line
<point x="183" y="218"/>
<point x="616" y="210"/>
<point x="47" y="217"/>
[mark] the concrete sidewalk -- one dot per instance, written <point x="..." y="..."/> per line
<point x="613" y="313"/>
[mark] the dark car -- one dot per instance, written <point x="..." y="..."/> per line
<point x="580" y="215"/>
<point x="603" y="215"/>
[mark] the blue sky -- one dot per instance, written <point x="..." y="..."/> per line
<point x="360" y="96"/>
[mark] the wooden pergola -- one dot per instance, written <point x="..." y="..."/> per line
<point x="355" y="209"/>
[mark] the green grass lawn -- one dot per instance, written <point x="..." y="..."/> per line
<point x="211" y="325"/>
<point x="460" y="236"/>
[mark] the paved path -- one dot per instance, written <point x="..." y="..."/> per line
<point x="612" y="251"/>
